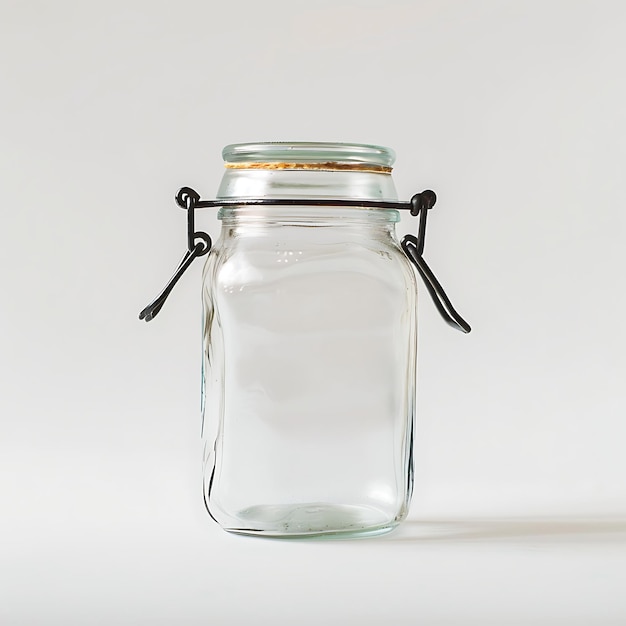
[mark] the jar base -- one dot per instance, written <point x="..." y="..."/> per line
<point x="313" y="520"/>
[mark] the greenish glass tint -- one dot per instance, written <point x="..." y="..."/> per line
<point x="310" y="350"/>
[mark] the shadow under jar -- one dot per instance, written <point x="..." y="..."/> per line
<point x="309" y="347"/>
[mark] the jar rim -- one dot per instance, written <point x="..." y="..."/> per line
<point x="309" y="152"/>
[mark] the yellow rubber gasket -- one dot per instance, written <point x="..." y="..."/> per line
<point x="329" y="166"/>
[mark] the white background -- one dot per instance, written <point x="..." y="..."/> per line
<point x="512" y="111"/>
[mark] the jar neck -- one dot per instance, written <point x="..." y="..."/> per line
<point x="312" y="216"/>
<point x="308" y="171"/>
<point x="243" y="183"/>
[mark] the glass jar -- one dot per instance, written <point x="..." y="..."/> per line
<point x="309" y="347"/>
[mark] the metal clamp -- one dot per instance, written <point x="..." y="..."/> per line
<point x="199" y="243"/>
<point x="413" y="247"/>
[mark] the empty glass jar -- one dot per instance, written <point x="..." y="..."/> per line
<point x="309" y="347"/>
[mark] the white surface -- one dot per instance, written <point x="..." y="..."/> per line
<point x="511" y="111"/>
<point x="526" y="571"/>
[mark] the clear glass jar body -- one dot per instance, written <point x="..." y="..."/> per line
<point x="309" y="368"/>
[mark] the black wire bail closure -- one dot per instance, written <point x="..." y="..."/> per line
<point x="413" y="247"/>
<point x="199" y="243"/>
